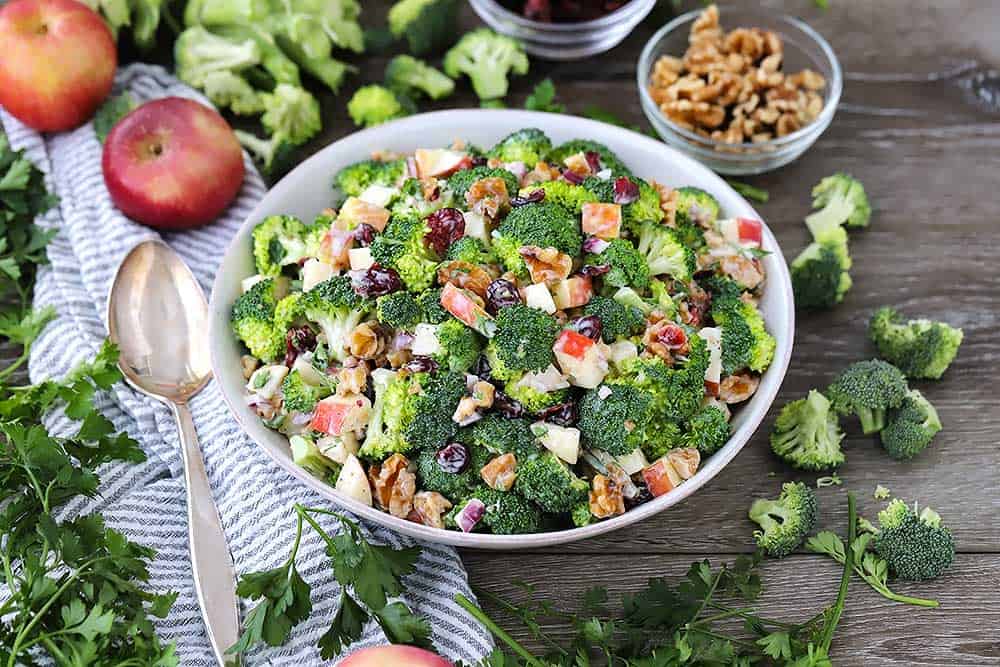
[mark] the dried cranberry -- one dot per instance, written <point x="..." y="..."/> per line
<point x="594" y="270"/>
<point x="501" y="294"/>
<point x="447" y="225"/>
<point x="593" y="161"/>
<point x="479" y="161"/>
<point x="626" y="191"/>
<point x="364" y="234"/>
<point x="589" y="325"/>
<point x="297" y="341"/>
<point x="421" y="365"/>
<point x="644" y="496"/>
<point x="562" y="414"/>
<point x="507" y="406"/>
<point x="572" y="177"/>
<point x="532" y="197"/>
<point x="453" y="457"/>
<point x="672" y="337"/>
<point x="375" y="281"/>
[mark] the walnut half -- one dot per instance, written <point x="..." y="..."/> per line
<point x="500" y="473"/>
<point x="393" y="485"/>
<point x="606" y="498"/>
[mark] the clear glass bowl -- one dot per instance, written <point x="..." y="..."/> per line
<point x="803" y="47"/>
<point x="565" y="41"/>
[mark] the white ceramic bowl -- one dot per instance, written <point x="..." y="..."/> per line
<point x="307" y="190"/>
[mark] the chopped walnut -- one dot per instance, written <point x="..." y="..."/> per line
<point x="546" y="265"/>
<point x="738" y="388"/>
<point x="398" y="358"/>
<point x="352" y="380"/>
<point x="466" y="412"/>
<point x="430" y="507"/>
<point x="577" y="163"/>
<point x="665" y="339"/>
<point x="684" y="461"/>
<point x="488" y="197"/>
<point x="500" y="472"/>
<point x="393" y="485"/>
<point x="542" y="173"/>
<point x="482" y="394"/>
<point x="606" y="498"/>
<point x="365" y="341"/>
<point x="694" y="308"/>
<point x="466" y="275"/>
<point x="249" y="364"/>
<point x="668" y="203"/>
<point x="430" y="188"/>
<point x="747" y="271"/>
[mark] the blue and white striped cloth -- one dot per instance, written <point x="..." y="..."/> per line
<point x="146" y="501"/>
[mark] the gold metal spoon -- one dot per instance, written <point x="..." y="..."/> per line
<point x="157" y="315"/>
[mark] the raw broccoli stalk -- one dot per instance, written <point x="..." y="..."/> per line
<point x="614" y="417"/>
<point x="500" y="435"/>
<point x="820" y="277"/>
<point x="252" y="318"/>
<point x="507" y="513"/>
<point x="524" y="338"/>
<point x="807" y="434"/>
<point x="398" y="310"/>
<point x="354" y="179"/>
<point x="543" y="225"/>
<point x="707" y="431"/>
<point x="338" y="310"/>
<point x="637" y="214"/>
<point x="628" y="266"/>
<point x="617" y="320"/>
<point x="413" y="77"/>
<point x="470" y="249"/>
<point x="428" y="25"/>
<point x="784" y="522"/>
<point x="910" y="428"/>
<point x="460" y="182"/>
<point x="569" y="196"/>
<point x="373" y="105"/>
<point x="665" y="253"/>
<point x="401" y="246"/>
<point x="746" y="342"/>
<point x="920" y="348"/>
<point x="608" y="159"/>
<point x="547" y="481"/>
<point x="841" y="200"/>
<point x="459" y="346"/>
<point x="306" y="454"/>
<point x="487" y="58"/>
<point x="916" y="547"/>
<point x="527" y="146"/>
<point x="868" y="389"/>
<point x="281" y="240"/>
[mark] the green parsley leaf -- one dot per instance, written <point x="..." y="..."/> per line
<point x="543" y="97"/>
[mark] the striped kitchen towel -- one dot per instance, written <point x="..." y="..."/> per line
<point x="146" y="501"/>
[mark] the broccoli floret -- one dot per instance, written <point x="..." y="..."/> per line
<point x="807" y="434"/>
<point x="677" y="390"/>
<point x="746" y="342"/>
<point x="500" y="435"/>
<point x="544" y="225"/>
<point x="353" y="179"/>
<point x="661" y="299"/>
<point x="910" y="428"/>
<point x="401" y="246"/>
<point x="431" y="425"/>
<point x="428" y="25"/>
<point x="868" y="389"/>
<point x="306" y="455"/>
<point x="614" y="417"/>
<point x="459" y="346"/>
<point x="486" y="58"/>
<point x="841" y="200"/>
<point x="532" y="399"/>
<point x="628" y="266"/>
<point x="527" y="146"/>
<point x="524" y="338"/>
<point x="412" y="77"/>
<point x="276" y="155"/>
<point x="430" y="305"/>
<point x="617" y="320"/>
<point x="452" y="485"/>
<point x="291" y="113"/>
<point x="569" y="196"/>
<point x="916" y="547"/>
<point x="630" y="298"/>
<point x="252" y="318"/>
<point x="337" y="309"/>
<point x="398" y="310"/>
<point x="696" y="207"/>
<point x="281" y="240"/>
<point x="636" y="214"/>
<point x="392" y="410"/>
<point x="547" y="481"/>
<point x="460" y="182"/>
<point x="608" y="159"/>
<point x="200" y="54"/>
<point x="581" y="515"/>
<point x="470" y="249"/>
<point x="707" y="431"/>
<point x="920" y="348"/>
<point x="784" y="522"/>
<point x="820" y="277"/>
<point x="232" y="91"/>
<point x="665" y="253"/>
<point x="508" y="513"/>
<point x="288" y="311"/>
<point x="300" y="396"/>
<point x="661" y="437"/>
<point x="373" y="105"/>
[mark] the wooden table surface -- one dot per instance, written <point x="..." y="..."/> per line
<point x="919" y="125"/>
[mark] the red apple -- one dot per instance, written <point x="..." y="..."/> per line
<point x="172" y="164"/>
<point x="396" y="655"/>
<point x="57" y="62"/>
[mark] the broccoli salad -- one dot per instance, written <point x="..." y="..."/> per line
<point x="511" y="340"/>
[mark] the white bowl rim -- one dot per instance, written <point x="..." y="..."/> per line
<point x="753" y="413"/>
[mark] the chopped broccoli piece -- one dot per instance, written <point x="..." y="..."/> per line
<point x="392" y="410"/>
<point x="820" y="277"/>
<point x="460" y="182"/>
<point x="338" y="310"/>
<point x="841" y="200"/>
<point x="470" y="249"/>
<point x="432" y="426"/>
<point x="200" y="53"/>
<point x="487" y="59"/>
<point x="665" y="253"/>
<point x="288" y="311"/>
<point x="524" y="338"/>
<point x="544" y="225"/>
<point x="911" y="427"/>
<point x="569" y="196"/>
<point x="459" y="346"/>
<point x="300" y="396"/>
<point x="508" y="513"/>
<point x="547" y="481"/>
<point x="373" y="105"/>
<point x="292" y="113"/>
<point x="677" y="390"/>
<point x="608" y="159"/>
<point x="306" y="455"/>
<point x="707" y="431"/>
<point x="696" y="207"/>
<point x="581" y="515"/>
<point x="398" y="310"/>
<point x="232" y="91"/>
<point x="527" y="146"/>
<point x="413" y="77"/>
<point x="617" y="320"/>
<point x="401" y="246"/>
<point x="807" y="434"/>
<point x="916" y="547"/>
<point x="746" y="342"/>
<point x="252" y="318"/>
<point x="354" y="179"/>
<point x="500" y="435"/>
<point x="786" y="521"/>
<point x="628" y="266"/>
<point x="428" y="25"/>
<point x="532" y="399"/>
<point x="661" y="437"/>
<point x="453" y="486"/>
<point x="430" y="304"/>
<point x="635" y="216"/>
<point x="868" y="389"/>
<point x="920" y="348"/>
<point x="281" y="240"/>
<point x="614" y="417"/>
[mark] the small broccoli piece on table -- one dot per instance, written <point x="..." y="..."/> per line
<point x="430" y="305"/>
<point x="427" y="25"/>
<point x="544" y="225"/>
<point x="608" y="159"/>
<point x="280" y="240"/>
<point x="229" y="90"/>
<point x="292" y="113"/>
<point x="527" y="146"/>
<point x="500" y="435"/>
<point x="470" y="249"/>
<point x="252" y="318"/>
<point x="677" y="390"/>
<point x="487" y="59"/>
<point x="569" y="196"/>
<point x="807" y="434"/>
<point x="524" y="338"/>
<point x="414" y="77"/>
<point x="920" y="348"/>
<point x="355" y="178"/>
<point x="337" y="309"/>
<point x="458" y="346"/>
<point x="628" y="266"/>
<point x="784" y="522"/>
<point x="841" y="200"/>
<point x="707" y="431"/>
<point x="306" y="455"/>
<point x="636" y="214"/>
<point x="460" y="182"/>
<point x="617" y="320"/>
<point x="298" y="395"/>
<point x="746" y="342"/>
<point x="820" y="277"/>
<point x="911" y="427"/>
<point x="614" y="417"/>
<point x="373" y="105"/>
<point x="868" y="389"/>
<point x="665" y="252"/>
<point x="547" y="481"/>
<point x="915" y="546"/>
<point x="401" y="246"/>
<point x="398" y="310"/>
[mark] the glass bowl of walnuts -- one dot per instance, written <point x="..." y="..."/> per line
<point x="742" y="100"/>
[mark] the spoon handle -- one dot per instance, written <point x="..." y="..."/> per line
<point x="211" y="562"/>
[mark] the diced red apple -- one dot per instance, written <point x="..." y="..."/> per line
<point x="751" y="232"/>
<point x="314" y="272"/>
<point x="585" y="361"/>
<point x="335" y="247"/>
<point x="573" y="344"/>
<point x="356" y="211"/>
<point x="602" y="220"/>
<point x="464" y="307"/>
<point x="573" y="292"/>
<point x="353" y="483"/>
<point x="335" y="415"/>
<point x="660" y="477"/>
<point x="440" y="162"/>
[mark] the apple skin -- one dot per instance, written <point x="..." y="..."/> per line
<point x="395" y="655"/>
<point x="172" y="164"/>
<point x="57" y="62"/>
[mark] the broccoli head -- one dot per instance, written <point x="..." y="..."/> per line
<point x="373" y="105"/>
<point x="696" y="207"/>
<point x="398" y="310"/>
<point x="841" y="200"/>
<point x="354" y="179"/>
<point x="549" y="482"/>
<point x="486" y="58"/>
<point x="665" y="252"/>
<point x="508" y="513"/>
<point x="784" y="522"/>
<point x="614" y="417"/>
<point x="252" y="318"/>
<point x="746" y="342"/>
<point x="524" y="338"/>
<point x="460" y="182"/>
<point x="337" y="309"/>
<point x="288" y="312"/>
<point x="628" y="267"/>
<point x="677" y="389"/>
<point x="920" y="348"/>
<point x="807" y="434"/>
<point x="401" y="246"/>
<point x="707" y="431"/>
<point x="569" y="196"/>
<point x="530" y="397"/>
<point x="298" y="395"/>
<point x="281" y="240"/>
<point x="911" y="427"/>
<point x="915" y="546"/>
<point x="527" y="146"/>
<point x="413" y="77"/>
<point x="291" y="113"/>
<point x="636" y="214"/>
<point x="452" y="485"/>
<point x="470" y="249"/>
<point x="544" y="225"/>
<point x="499" y="435"/>
<point x="427" y="25"/>
<point x="430" y="305"/>
<point x="820" y="277"/>
<point x="608" y="159"/>
<point x="617" y="320"/>
<point x="868" y="389"/>
<point x="458" y="346"/>
<point x="306" y="455"/>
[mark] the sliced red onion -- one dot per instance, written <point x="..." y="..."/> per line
<point x="518" y="168"/>
<point x="595" y="245"/>
<point x="253" y="400"/>
<point x="470" y="515"/>
<point x="626" y="191"/>
<point x="411" y="167"/>
<point x="572" y="177"/>
<point x="401" y="341"/>
<point x="593" y="161"/>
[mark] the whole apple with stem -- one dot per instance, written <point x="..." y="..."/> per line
<point x="57" y="62"/>
<point x="172" y="164"/>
